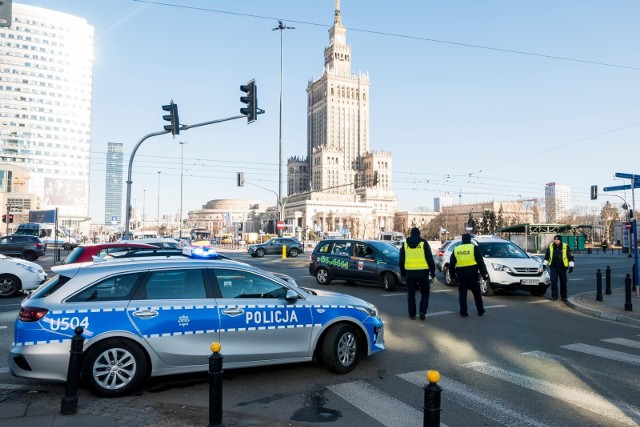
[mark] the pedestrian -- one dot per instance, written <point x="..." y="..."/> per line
<point x="418" y="269"/>
<point x="465" y="265"/>
<point x="559" y="260"/>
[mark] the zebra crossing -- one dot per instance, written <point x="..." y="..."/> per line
<point x="567" y="387"/>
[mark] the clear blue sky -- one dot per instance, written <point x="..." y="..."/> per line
<point x="460" y="109"/>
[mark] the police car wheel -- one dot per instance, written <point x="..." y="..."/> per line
<point x="322" y="276"/>
<point x="340" y="349"/>
<point x="9" y="285"/>
<point x="388" y="281"/>
<point x="114" y="367"/>
<point x="259" y="252"/>
<point x="486" y="289"/>
<point x="293" y="252"/>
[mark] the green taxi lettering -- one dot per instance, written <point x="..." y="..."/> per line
<point x="333" y="262"/>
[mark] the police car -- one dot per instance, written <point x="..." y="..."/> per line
<point x="144" y="317"/>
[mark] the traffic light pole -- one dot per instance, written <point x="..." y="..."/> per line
<point x="7" y="218"/>
<point x="127" y="235"/>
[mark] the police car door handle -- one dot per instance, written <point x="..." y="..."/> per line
<point x="233" y="312"/>
<point x="145" y="314"/>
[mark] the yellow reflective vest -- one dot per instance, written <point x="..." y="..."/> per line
<point x="465" y="255"/>
<point x="414" y="257"/>
<point x="565" y="260"/>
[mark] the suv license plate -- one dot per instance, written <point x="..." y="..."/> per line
<point x="533" y="282"/>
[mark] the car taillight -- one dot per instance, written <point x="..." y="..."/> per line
<point x="39" y="245"/>
<point x="31" y="314"/>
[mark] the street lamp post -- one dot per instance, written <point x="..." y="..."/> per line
<point x="159" y="172"/>
<point x="144" y="197"/>
<point x="280" y="27"/>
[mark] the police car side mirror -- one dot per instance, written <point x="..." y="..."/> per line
<point x="291" y="296"/>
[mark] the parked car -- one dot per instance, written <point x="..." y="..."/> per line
<point x="274" y="245"/>
<point x="153" y="318"/>
<point x="509" y="267"/>
<point x="85" y="253"/>
<point x="19" y="275"/>
<point x="47" y="233"/>
<point x="439" y="258"/>
<point x="358" y="261"/>
<point x="157" y="242"/>
<point x="27" y="247"/>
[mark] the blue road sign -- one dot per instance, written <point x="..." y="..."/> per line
<point x="618" y="188"/>
<point x="635" y="179"/>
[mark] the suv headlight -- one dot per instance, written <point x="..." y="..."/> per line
<point x="502" y="267"/>
<point x="371" y="310"/>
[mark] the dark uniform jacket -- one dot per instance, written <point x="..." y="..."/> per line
<point x="469" y="272"/>
<point x="413" y="242"/>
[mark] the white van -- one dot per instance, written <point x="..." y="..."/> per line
<point x="45" y="231"/>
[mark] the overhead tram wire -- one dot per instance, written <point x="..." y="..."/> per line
<point x="403" y="36"/>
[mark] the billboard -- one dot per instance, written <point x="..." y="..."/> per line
<point x="43" y="216"/>
<point x="63" y="192"/>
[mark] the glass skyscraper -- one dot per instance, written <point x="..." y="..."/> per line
<point x="113" y="185"/>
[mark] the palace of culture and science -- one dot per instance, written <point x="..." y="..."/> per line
<point x="340" y="184"/>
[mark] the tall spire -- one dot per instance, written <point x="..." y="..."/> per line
<point x="336" y="19"/>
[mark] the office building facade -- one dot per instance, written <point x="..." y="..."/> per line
<point x="45" y="109"/>
<point x="557" y="201"/>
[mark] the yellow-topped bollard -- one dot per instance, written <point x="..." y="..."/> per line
<point x="215" y="386"/>
<point x="432" y="392"/>
<point x="432" y="376"/>
<point x="284" y="251"/>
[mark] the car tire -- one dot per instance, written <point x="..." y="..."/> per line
<point x="485" y="288"/>
<point x="259" y="252"/>
<point x="30" y="255"/>
<point x="389" y="281"/>
<point x="293" y="252"/>
<point x="340" y="348"/>
<point x="447" y="276"/>
<point x="9" y="285"/>
<point x="539" y="291"/>
<point x="66" y="246"/>
<point x="103" y="357"/>
<point x="322" y="276"/>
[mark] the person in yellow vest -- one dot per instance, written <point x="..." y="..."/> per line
<point x="464" y="266"/>
<point x="559" y="260"/>
<point x="416" y="265"/>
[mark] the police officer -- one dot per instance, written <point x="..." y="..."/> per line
<point x="559" y="259"/>
<point x="465" y="264"/>
<point x="416" y="265"/>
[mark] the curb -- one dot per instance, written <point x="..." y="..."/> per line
<point x="601" y="314"/>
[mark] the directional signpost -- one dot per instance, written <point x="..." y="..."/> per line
<point x="635" y="183"/>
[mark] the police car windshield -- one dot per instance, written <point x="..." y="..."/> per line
<point x="501" y="250"/>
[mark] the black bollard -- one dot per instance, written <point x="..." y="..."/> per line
<point x="599" y="285"/>
<point x="432" y="398"/>
<point x="69" y="404"/>
<point x="215" y="386"/>
<point x="608" y="281"/>
<point x="627" y="294"/>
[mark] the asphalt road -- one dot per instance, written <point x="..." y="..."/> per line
<point x="527" y="361"/>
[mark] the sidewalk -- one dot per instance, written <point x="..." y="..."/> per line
<point x="611" y="307"/>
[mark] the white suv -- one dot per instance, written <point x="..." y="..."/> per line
<point x="509" y="267"/>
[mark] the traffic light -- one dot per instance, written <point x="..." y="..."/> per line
<point x="356" y="181"/>
<point x="240" y="179"/>
<point x="4" y="218"/>
<point x="172" y="118"/>
<point x="251" y="99"/>
<point x="594" y="192"/>
<point x="375" y="178"/>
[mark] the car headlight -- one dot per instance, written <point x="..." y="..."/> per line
<point x="28" y="268"/>
<point x="371" y="310"/>
<point x="501" y="267"/>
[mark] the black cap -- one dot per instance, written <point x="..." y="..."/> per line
<point x="466" y="238"/>
<point x="557" y="237"/>
<point x="415" y="232"/>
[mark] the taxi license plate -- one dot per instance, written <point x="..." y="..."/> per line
<point x="532" y="282"/>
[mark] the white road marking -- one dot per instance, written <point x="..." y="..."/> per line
<point x="3" y="327"/>
<point x="475" y="400"/>
<point x="616" y="410"/>
<point x="438" y="313"/>
<point x="385" y="409"/>
<point x="4" y="370"/>
<point x="605" y="353"/>
<point x="623" y="341"/>
<point x="540" y="301"/>
<point x="393" y="295"/>
<point x="546" y="356"/>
